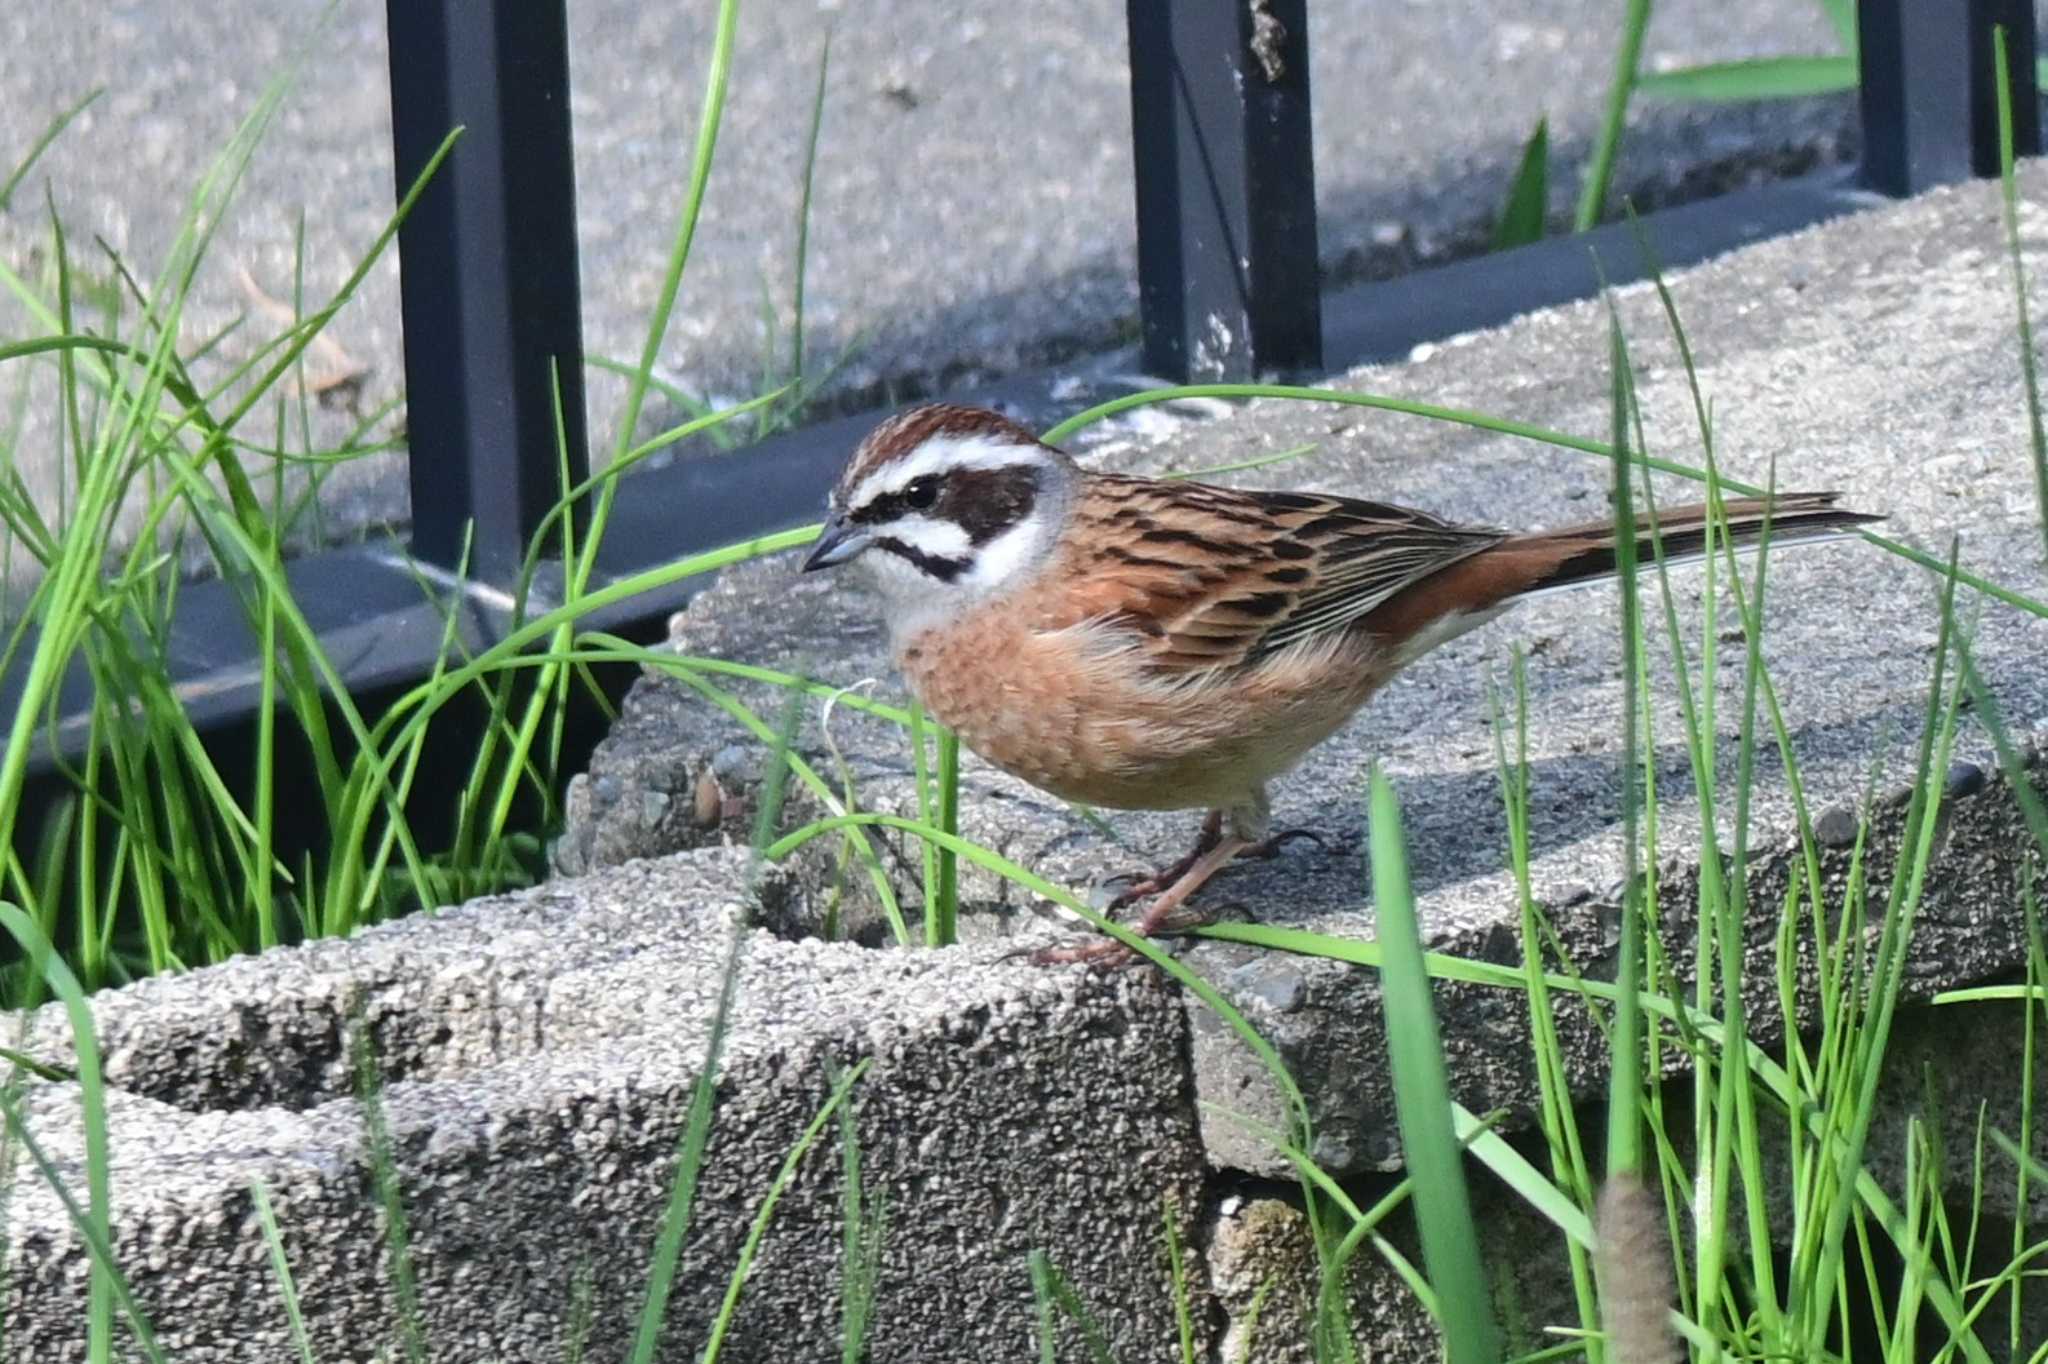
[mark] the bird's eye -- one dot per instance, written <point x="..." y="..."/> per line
<point x="922" y="494"/>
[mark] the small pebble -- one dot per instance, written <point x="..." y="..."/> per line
<point x="708" y="800"/>
<point x="1389" y="233"/>
<point x="1607" y="915"/>
<point x="1964" y="779"/>
<point x="1283" y="991"/>
<point x="1836" y="827"/>
<point x="733" y="763"/>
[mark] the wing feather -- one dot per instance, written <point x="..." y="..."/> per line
<point x="1202" y="578"/>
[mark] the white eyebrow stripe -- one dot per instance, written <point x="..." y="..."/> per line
<point x="932" y="536"/>
<point x="942" y="454"/>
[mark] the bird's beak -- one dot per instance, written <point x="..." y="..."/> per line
<point x="837" y="543"/>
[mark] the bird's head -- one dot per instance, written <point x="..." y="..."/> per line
<point x="942" y="505"/>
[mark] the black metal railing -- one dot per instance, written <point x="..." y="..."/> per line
<point x="1228" y="282"/>
<point x="1227" y="262"/>
<point x="488" y="264"/>
<point x="1929" y="94"/>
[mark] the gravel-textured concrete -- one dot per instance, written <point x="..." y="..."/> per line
<point x="1846" y="354"/>
<point x="537" y="1053"/>
<point x="973" y="204"/>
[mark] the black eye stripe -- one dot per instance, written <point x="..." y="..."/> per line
<point x="987" y="502"/>
<point x="886" y="507"/>
<point x="982" y="502"/>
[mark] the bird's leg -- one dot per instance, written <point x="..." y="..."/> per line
<point x="1212" y="833"/>
<point x="1248" y="831"/>
<point x="1108" y="952"/>
<point x="1187" y="883"/>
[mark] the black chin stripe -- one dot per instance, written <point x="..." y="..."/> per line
<point x="933" y="565"/>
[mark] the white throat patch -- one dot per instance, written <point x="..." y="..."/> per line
<point x="1000" y="562"/>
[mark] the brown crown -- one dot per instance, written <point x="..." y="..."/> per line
<point x="903" y="433"/>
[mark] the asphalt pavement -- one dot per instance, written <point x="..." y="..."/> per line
<point x="973" y="203"/>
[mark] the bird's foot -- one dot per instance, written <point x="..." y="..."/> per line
<point x="1160" y="881"/>
<point x="1104" y="954"/>
<point x="1271" y="845"/>
<point x="1109" y="953"/>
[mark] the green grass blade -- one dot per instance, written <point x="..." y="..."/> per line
<point x="1528" y="1183"/>
<point x="1624" y="1133"/>
<point x="1628" y="61"/>
<point x="1422" y="1100"/>
<point x="2037" y="982"/>
<point x="582" y="1314"/>
<point x="927" y="812"/>
<point x="2029" y="368"/>
<point x="1177" y="1276"/>
<point x="708" y="120"/>
<point x="803" y="231"/>
<point x="391" y="1199"/>
<point x="1557" y="1110"/>
<point x="281" y="1267"/>
<point x="50" y="134"/>
<point x="1757" y="78"/>
<point x="1528" y="202"/>
<point x="864" y="1219"/>
<point x="784" y="1177"/>
<point x="696" y="1133"/>
<point x="1859" y="1090"/>
<point x="1052" y="1290"/>
<point x="106" y="1285"/>
<point x="949" y="822"/>
<point x="1042" y="1298"/>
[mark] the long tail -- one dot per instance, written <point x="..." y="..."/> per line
<point x="1581" y="554"/>
<point x="1522" y="566"/>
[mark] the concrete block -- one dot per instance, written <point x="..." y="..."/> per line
<point x="537" y="1053"/>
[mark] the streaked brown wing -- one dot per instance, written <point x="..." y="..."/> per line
<point x="1211" y="577"/>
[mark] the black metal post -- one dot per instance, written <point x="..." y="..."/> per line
<point x="1930" y="92"/>
<point x="488" y="260"/>
<point x="1228" y="283"/>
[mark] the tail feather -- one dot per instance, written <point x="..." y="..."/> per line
<point x="1480" y="586"/>
<point x="1590" y="552"/>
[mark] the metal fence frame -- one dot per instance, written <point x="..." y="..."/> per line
<point x="1227" y="266"/>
